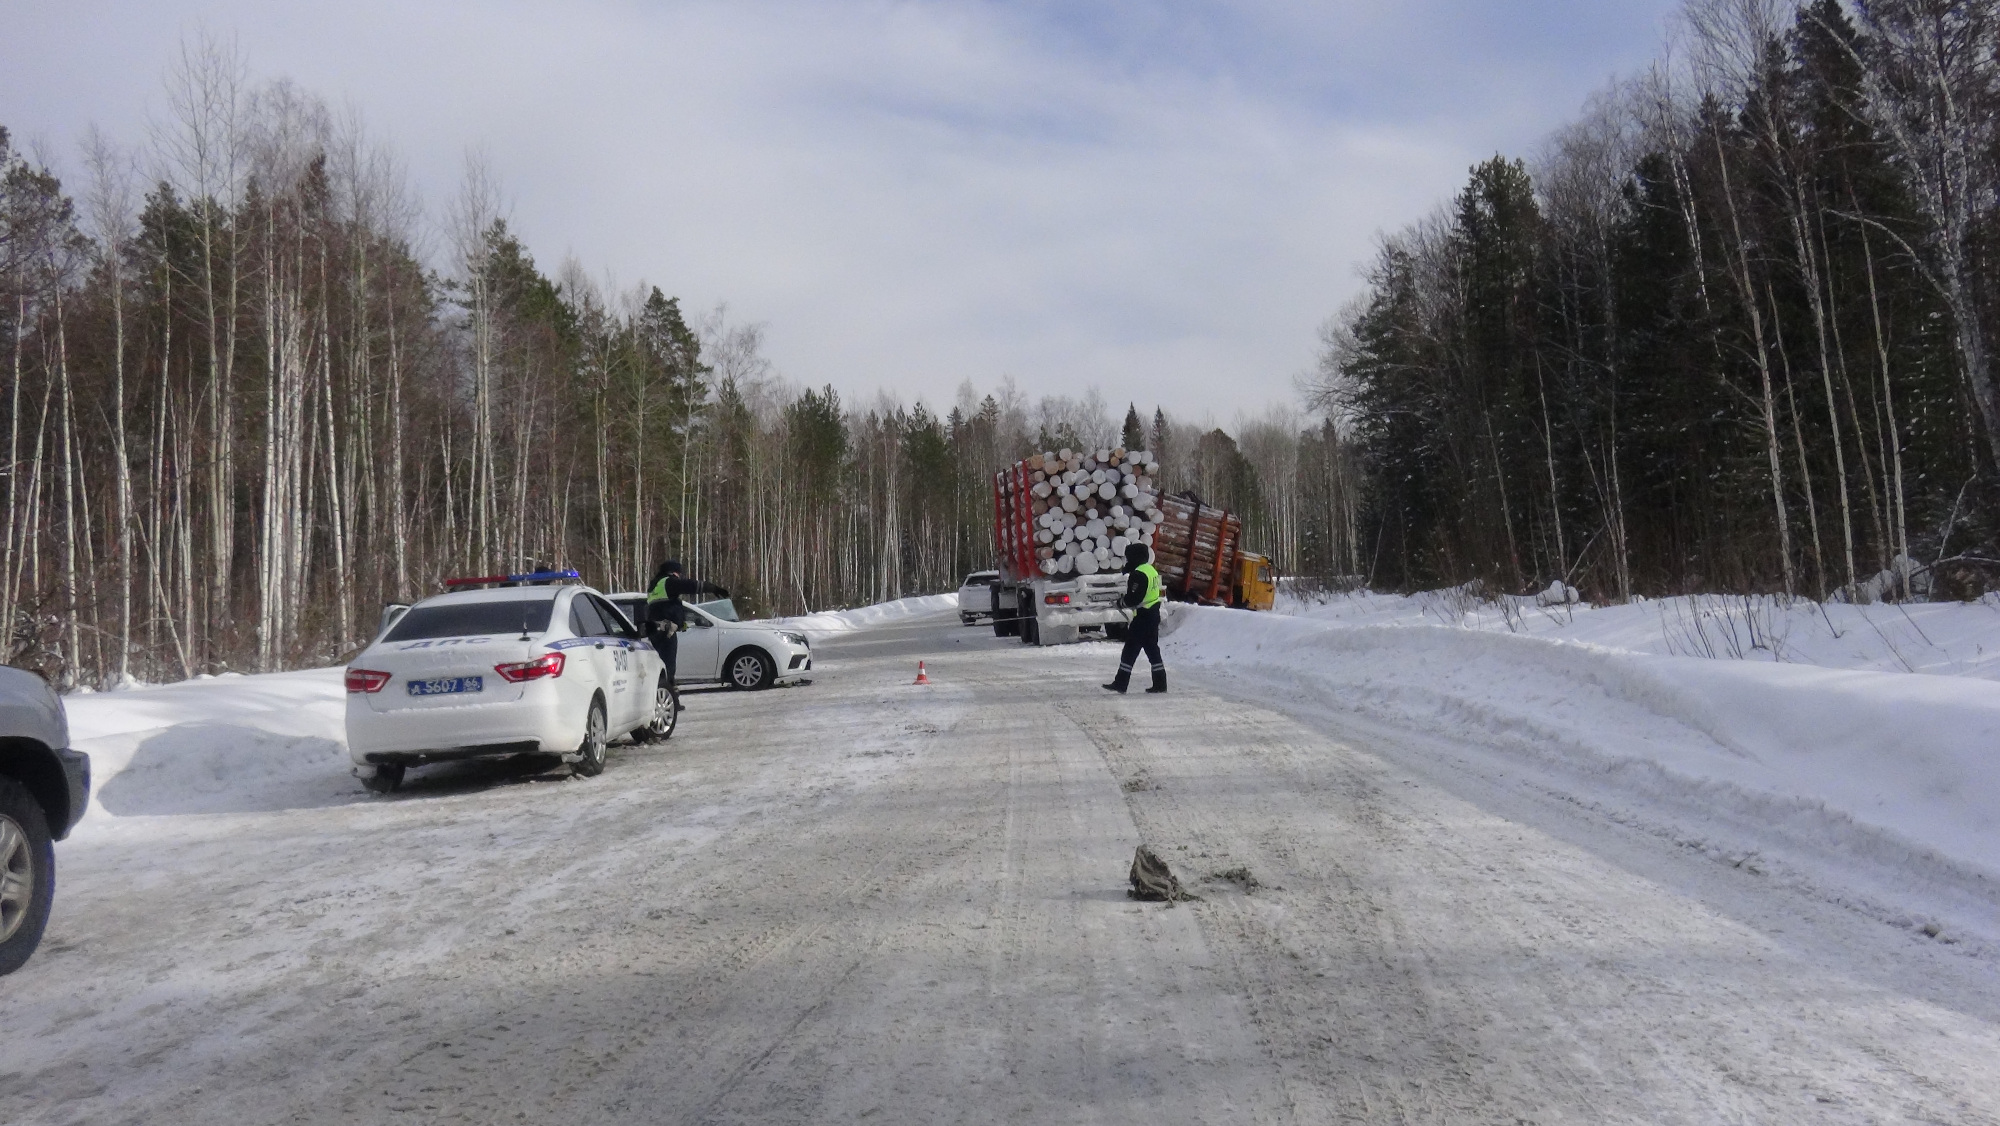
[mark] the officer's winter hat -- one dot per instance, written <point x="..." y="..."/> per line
<point x="1138" y="553"/>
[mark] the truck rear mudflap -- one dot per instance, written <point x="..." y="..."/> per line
<point x="1081" y="609"/>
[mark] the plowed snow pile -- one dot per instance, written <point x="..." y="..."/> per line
<point x="1885" y="782"/>
<point x="832" y="623"/>
<point x="229" y="744"/>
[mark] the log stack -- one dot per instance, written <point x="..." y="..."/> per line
<point x="1195" y="549"/>
<point x="1074" y="512"/>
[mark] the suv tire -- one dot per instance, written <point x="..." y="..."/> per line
<point x="27" y="874"/>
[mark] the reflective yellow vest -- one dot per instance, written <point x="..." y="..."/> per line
<point x="1155" y="593"/>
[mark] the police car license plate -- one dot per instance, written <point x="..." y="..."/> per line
<point x="447" y="685"/>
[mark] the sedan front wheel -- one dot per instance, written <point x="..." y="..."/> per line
<point x="751" y="669"/>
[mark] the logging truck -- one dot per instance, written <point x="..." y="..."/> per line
<point x="1061" y="523"/>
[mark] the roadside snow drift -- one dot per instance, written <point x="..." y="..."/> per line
<point x="229" y="744"/>
<point x="1864" y="760"/>
<point x="832" y="623"/>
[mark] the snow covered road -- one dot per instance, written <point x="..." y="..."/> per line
<point x="866" y="901"/>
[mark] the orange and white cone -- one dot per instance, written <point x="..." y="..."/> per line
<point x="922" y="677"/>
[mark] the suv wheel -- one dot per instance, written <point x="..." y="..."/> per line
<point x="750" y="668"/>
<point x="27" y="874"/>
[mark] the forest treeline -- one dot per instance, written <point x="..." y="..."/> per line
<point x="1732" y="330"/>
<point x="245" y="409"/>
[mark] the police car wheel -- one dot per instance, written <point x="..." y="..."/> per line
<point x="591" y="753"/>
<point x="385" y="780"/>
<point x="666" y="713"/>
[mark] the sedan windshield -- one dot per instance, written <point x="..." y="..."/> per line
<point x="474" y="619"/>
<point x="722" y="609"/>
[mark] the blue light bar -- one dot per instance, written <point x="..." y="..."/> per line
<point x="544" y="576"/>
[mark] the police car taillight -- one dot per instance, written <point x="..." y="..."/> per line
<point x="549" y="665"/>
<point x="366" y="680"/>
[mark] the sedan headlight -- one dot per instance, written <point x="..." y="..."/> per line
<point x="798" y="639"/>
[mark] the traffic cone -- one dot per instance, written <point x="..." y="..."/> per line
<point x="922" y="677"/>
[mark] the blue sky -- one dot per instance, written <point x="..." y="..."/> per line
<point x="1161" y="200"/>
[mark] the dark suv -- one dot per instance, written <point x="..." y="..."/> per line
<point x="43" y="789"/>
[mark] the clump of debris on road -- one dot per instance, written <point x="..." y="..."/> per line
<point x="1153" y="881"/>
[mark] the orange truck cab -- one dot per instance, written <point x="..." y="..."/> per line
<point x="1256" y="585"/>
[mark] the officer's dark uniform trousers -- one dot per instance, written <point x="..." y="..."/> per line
<point x="1142" y="634"/>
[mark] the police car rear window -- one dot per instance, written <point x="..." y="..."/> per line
<point x="474" y="619"/>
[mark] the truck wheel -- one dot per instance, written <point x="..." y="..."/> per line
<point x="385" y="780"/>
<point x="750" y="669"/>
<point x="591" y="752"/>
<point x="27" y="874"/>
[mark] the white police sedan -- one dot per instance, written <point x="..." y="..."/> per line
<point x="717" y="647"/>
<point x="520" y="667"/>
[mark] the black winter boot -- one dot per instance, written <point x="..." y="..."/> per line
<point x="1114" y="686"/>
<point x="1120" y="682"/>
<point x="1159" y="679"/>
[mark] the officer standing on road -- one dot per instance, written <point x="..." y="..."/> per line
<point x="1142" y="591"/>
<point x="666" y="614"/>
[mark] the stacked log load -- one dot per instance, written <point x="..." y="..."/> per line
<point x="1066" y="513"/>
<point x="1074" y="512"/>
<point x="1195" y="548"/>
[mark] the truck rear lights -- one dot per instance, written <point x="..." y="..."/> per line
<point x="1056" y="599"/>
<point x="366" y="680"/>
<point x="548" y="665"/>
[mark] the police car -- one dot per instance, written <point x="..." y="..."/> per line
<point x="499" y="666"/>
<point x="718" y="647"/>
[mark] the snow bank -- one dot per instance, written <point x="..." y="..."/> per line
<point x="1858" y="759"/>
<point x="832" y="623"/>
<point x="1949" y="638"/>
<point x="230" y="744"/>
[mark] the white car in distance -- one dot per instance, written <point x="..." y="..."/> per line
<point x="717" y="647"/>
<point x="515" y="669"/>
<point x="975" y="597"/>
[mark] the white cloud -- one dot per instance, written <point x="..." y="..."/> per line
<point x="1159" y="200"/>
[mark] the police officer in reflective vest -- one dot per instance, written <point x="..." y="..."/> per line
<point x="1143" y="592"/>
<point x="666" y="614"/>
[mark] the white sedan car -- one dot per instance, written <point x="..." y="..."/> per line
<point x="717" y="647"/>
<point x="507" y="671"/>
<point x="975" y="596"/>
